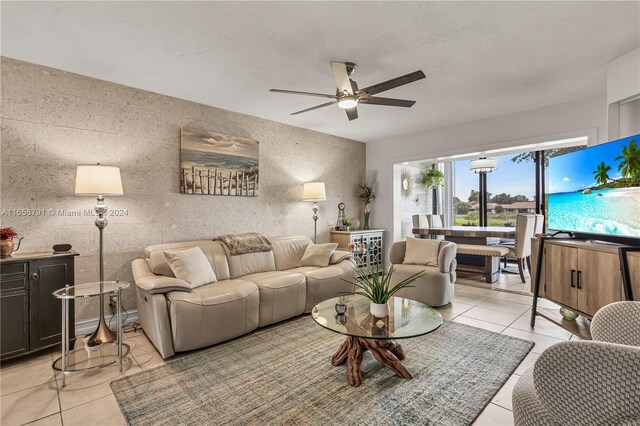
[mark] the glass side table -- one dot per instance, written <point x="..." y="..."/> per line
<point x="85" y="358"/>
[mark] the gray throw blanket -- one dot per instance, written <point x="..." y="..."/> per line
<point x="249" y="242"/>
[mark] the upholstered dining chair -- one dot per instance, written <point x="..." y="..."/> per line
<point x="586" y="382"/>
<point x="539" y="226"/>
<point x="521" y="249"/>
<point x="420" y="221"/>
<point x="436" y="221"/>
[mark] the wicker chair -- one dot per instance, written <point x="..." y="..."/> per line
<point x="586" y="382"/>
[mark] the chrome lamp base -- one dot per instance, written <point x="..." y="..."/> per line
<point x="103" y="334"/>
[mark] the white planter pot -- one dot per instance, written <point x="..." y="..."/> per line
<point x="379" y="310"/>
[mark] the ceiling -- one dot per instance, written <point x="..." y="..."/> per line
<point x="482" y="59"/>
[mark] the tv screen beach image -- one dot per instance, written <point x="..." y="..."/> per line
<point x="597" y="189"/>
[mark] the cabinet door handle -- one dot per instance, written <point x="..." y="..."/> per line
<point x="579" y="281"/>
<point x="573" y="275"/>
<point x="35" y="276"/>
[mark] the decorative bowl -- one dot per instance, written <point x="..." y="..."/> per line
<point x="568" y="314"/>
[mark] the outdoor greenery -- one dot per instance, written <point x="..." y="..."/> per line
<point x="466" y="215"/>
<point x="549" y="153"/>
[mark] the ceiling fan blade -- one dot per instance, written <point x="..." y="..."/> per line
<point x="293" y="92"/>
<point x="315" y="107"/>
<point x="342" y="77"/>
<point x="352" y="113"/>
<point x="391" y="84"/>
<point x="387" y="102"/>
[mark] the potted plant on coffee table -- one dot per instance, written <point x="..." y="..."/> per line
<point x="376" y="287"/>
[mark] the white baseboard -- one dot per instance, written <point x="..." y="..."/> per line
<point x="88" y="326"/>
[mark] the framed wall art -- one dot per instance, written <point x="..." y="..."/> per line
<point x="214" y="163"/>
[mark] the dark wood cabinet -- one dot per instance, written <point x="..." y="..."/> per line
<point x="30" y="315"/>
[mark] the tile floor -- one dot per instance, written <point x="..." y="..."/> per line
<point x="32" y="394"/>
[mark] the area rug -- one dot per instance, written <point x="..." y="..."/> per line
<point x="282" y="375"/>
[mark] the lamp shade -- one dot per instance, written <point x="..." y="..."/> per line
<point x="314" y="191"/>
<point x="96" y="179"/>
<point x="483" y="165"/>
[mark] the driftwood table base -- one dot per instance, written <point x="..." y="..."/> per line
<point x="385" y="351"/>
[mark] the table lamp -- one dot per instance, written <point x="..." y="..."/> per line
<point x="314" y="191"/>
<point x="98" y="180"/>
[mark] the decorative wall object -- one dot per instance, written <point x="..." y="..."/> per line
<point x="405" y="184"/>
<point x="214" y="163"/>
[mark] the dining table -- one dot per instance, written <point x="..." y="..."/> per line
<point x="480" y="235"/>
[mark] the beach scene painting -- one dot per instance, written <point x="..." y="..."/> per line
<point x="214" y="163"/>
<point x="597" y="190"/>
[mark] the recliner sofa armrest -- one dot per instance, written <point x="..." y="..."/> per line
<point x="152" y="283"/>
<point x="447" y="257"/>
<point x="346" y="266"/>
<point x="340" y="255"/>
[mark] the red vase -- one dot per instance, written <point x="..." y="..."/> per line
<point x="6" y="247"/>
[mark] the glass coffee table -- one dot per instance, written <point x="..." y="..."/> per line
<point x="407" y="318"/>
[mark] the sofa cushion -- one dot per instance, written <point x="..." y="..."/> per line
<point x="212" y="313"/>
<point x="213" y="250"/>
<point x="421" y="252"/>
<point x="282" y="295"/>
<point x="214" y="293"/>
<point x="288" y="251"/>
<point x="318" y="254"/>
<point x="191" y="265"/>
<point x="250" y="263"/>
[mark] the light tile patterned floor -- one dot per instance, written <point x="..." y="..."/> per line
<point x="30" y="392"/>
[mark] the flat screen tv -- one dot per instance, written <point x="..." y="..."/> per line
<point x="595" y="192"/>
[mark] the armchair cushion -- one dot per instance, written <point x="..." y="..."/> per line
<point x="191" y="265"/>
<point x="318" y="254"/>
<point x="421" y="252"/>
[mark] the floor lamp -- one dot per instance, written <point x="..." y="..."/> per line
<point x="314" y="191"/>
<point x="97" y="180"/>
<point x="482" y="166"/>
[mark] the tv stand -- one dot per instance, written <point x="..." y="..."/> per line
<point x="582" y="275"/>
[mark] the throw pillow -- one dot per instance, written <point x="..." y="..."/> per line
<point x="421" y="252"/>
<point x="191" y="265"/>
<point x="159" y="265"/>
<point x="318" y="254"/>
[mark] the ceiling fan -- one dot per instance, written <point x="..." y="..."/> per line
<point x="348" y="96"/>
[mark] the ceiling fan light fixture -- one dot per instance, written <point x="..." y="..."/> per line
<point x="348" y="102"/>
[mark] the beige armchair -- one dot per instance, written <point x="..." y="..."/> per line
<point x="436" y="287"/>
<point x="586" y="382"/>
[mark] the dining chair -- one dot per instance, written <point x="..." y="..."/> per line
<point x="521" y="249"/>
<point x="436" y="221"/>
<point x="539" y="227"/>
<point x="420" y="221"/>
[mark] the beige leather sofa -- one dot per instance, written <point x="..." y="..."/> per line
<point x="253" y="290"/>
<point x="435" y="288"/>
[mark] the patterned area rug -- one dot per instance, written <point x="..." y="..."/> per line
<point x="282" y="375"/>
